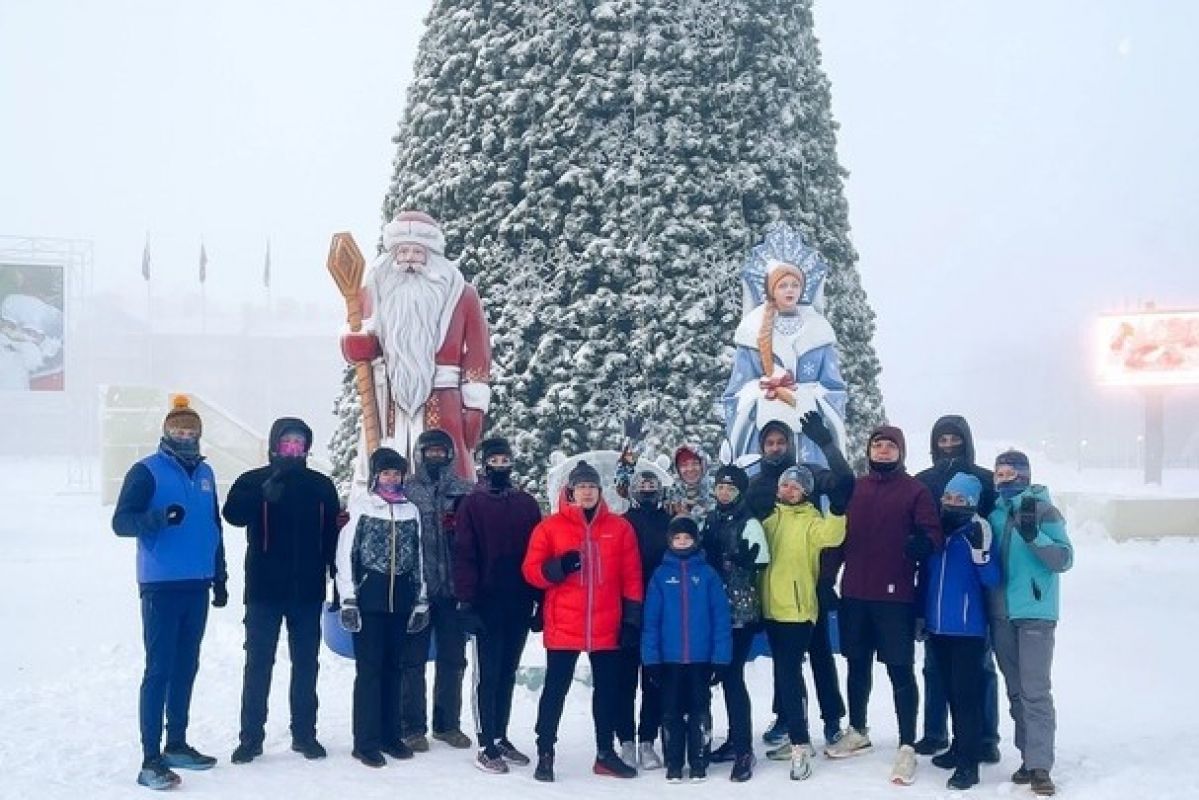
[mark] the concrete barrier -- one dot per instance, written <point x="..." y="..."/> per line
<point x="1127" y="517"/>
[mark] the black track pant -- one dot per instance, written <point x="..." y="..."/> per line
<point x="559" y="672"/>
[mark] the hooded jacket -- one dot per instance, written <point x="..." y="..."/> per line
<point x="887" y="508"/>
<point x="1030" y="571"/>
<point x="492" y="531"/>
<point x="585" y="610"/>
<point x="694" y="500"/>
<point x="686" y="614"/>
<point x="836" y="482"/>
<point x="943" y="469"/>
<point x="649" y="524"/>
<point x="438" y="502"/>
<point x="797" y="534"/>
<point x="291" y="544"/>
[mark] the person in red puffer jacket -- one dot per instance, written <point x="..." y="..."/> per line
<point x="585" y="558"/>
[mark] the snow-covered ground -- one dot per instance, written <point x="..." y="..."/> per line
<point x="71" y="660"/>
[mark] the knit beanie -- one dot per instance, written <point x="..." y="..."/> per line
<point x="182" y="415"/>
<point x="800" y="475"/>
<point x="967" y="486"/>
<point x="582" y="473"/>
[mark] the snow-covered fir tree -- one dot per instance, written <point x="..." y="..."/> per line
<point x="603" y="167"/>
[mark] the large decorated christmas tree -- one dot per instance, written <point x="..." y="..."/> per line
<point x="603" y="168"/>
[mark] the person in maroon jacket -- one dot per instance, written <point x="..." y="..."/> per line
<point x="892" y="526"/>
<point x="491" y="533"/>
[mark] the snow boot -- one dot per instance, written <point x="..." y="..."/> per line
<point x="245" y="752"/>
<point x="903" y="772"/>
<point x="990" y="754"/>
<point x="963" y="777"/>
<point x="454" y="738"/>
<point x="1022" y="776"/>
<point x="311" y="749"/>
<point x="371" y="758"/>
<point x="608" y="763"/>
<point x="155" y="774"/>
<point x="184" y="756"/>
<point x="946" y="760"/>
<point x="510" y="754"/>
<point x="417" y="743"/>
<point x="398" y="750"/>
<point x="1041" y="784"/>
<point x="544" y="771"/>
<point x="743" y="768"/>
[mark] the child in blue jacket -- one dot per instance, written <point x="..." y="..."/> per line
<point x="955" y="614"/>
<point x="686" y="644"/>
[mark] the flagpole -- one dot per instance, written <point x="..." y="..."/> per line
<point x="146" y="272"/>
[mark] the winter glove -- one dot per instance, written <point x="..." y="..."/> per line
<point x="652" y="675"/>
<point x="272" y="488"/>
<point x="418" y="620"/>
<point x="360" y="347"/>
<point x="537" y="620"/>
<point x="556" y="570"/>
<point x="175" y="514"/>
<point x="220" y="595"/>
<point x="974" y="535"/>
<point x="469" y="619"/>
<point x="349" y="616"/>
<point x="826" y="597"/>
<point x="747" y="554"/>
<point x="1026" y="519"/>
<point x="718" y="673"/>
<point x="812" y="426"/>
<point x="918" y="547"/>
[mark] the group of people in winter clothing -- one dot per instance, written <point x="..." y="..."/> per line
<point x="666" y="600"/>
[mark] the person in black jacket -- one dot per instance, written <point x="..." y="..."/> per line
<point x="951" y="448"/>
<point x="650" y="519"/>
<point x="834" y="482"/>
<point x="290" y="515"/>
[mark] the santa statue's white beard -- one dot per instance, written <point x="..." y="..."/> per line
<point x="408" y="311"/>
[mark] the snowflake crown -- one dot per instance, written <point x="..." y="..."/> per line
<point x="786" y="245"/>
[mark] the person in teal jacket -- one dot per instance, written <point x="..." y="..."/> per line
<point x="1034" y="549"/>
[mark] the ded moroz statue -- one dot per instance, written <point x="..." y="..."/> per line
<point x="425" y="338"/>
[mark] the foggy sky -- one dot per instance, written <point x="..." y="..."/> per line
<point x="1016" y="167"/>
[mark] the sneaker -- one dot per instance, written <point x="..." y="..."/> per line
<point x="946" y="760"/>
<point x="743" y="767"/>
<point x="801" y="763"/>
<point x="776" y="734"/>
<point x="155" y="774"/>
<point x="1041" y="783"/>
<point x="832" y="732"/>
<point x="544" y="771"/>
<point x="963" y="777"/>
<point x="417" y="743"/>
<point x="852" y="743"/>
<point x="184" y="756"/>
<point x="371" y="758"/>
<point x="674" y="774"/>
<point x="929" y="746"/>
<point x="245" y="753"/>
<point x="722" y="754"/>
<point x="628" y="753"/>
<point x="311" y="749"/>
<point x="454" y="738"/>
<point x="608" y="763"/>
<point x="990" y="754"/>
<point x="493" y="764"/>
<point x="647" y="758"/>
<point x="699" y="774"/>
<point x="1022" y="776"/>
<point x="510" y="754"/>
<point x="903" y="772"/>
<point x="398" y="750"/>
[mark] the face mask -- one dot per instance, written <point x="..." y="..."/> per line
<point x="884" y="466"/>
<point x="774" y="459"/>
<point x="434" y="468"/>
<point x="954" y="518"/>
<point x="499" y="477"/>
<point x="292" y="449"/>
<point x="1010" y="490"/>
<point x="684" y="552"/>
<point x="391" y="492"/>
<point x="646" y="498"/>
<point x="186" y="450"/>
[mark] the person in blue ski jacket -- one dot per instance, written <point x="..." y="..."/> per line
<point x="955" y="616"/>
<point x="168" y="502"/>
<point x="686" y="644"/>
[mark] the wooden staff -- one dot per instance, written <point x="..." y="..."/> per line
<point x="347" y="266"/>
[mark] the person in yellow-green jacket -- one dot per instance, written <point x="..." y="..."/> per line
<point x="796" y="532"/>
